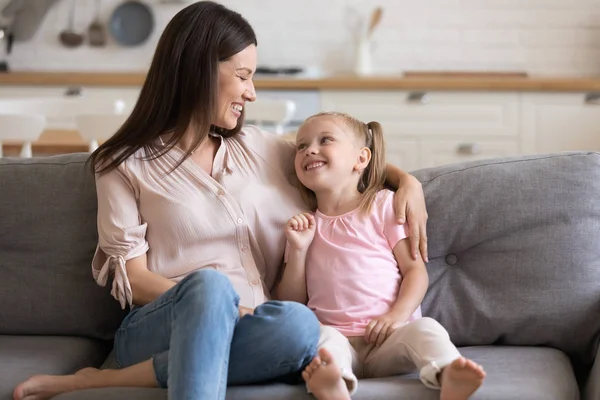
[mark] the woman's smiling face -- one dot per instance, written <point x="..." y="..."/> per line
<point x="235" y="87"/>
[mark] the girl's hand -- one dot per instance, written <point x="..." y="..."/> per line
<point x="300" y="231"/>
<point x="381" y="328"/>
<point x="409" y="204"/>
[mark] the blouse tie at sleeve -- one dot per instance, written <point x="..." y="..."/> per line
<point x="111" y="257"/>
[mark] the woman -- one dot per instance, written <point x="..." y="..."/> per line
<point x="191" y="210"/>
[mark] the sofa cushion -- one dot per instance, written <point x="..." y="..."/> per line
<point x="47" y="240"/>
<point x="512" y="373"/>
<point x="24" y="356"/>
<point x="530" y="373"/>
<point x="514" y="251"/>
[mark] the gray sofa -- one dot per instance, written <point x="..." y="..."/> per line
<point x="514" y="277"/>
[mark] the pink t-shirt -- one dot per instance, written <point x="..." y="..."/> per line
<point x="351" y="273"/>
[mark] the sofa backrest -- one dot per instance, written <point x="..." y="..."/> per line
<point x="514" y="250"/>
<point x="47" y="239"/>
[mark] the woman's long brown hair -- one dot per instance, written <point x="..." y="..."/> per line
<point x="180" y="90"/>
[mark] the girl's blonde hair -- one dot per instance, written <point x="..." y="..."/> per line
<point x="372" y="179"/>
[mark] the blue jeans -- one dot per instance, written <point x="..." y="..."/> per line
<point x="199" y="345"/>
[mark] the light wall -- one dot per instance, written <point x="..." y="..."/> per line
<point x="557" y="37"/>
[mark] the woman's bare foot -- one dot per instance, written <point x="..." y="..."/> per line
<point x="43" y="387"/>
<point x="461" y="379"/>
<point x="324" y="378"/>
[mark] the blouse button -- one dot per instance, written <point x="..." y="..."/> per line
<point x="239" y="221"/>
<point x="221" y="192"/>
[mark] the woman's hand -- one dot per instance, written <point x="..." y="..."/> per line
<point x="381" y="328"/>
<point x="409" y="205"/>
<point x="300" y="231"/>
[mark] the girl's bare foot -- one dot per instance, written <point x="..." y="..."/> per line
<point x="324" y="378"/>
<point x="43" y="387"/>
<point x="461" y="379"/>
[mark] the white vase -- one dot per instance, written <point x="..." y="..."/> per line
<point x="363" y="57"/>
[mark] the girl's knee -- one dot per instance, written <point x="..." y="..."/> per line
<point x="426" y="324"/>
<point x="427" y="321"/>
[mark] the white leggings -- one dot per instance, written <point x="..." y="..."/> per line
<point x="422" y="345"/>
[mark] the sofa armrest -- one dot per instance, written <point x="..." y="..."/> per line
<point x="592" y="386"/>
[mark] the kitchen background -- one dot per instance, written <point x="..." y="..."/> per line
<point x="560" y="37"/>
<point x="533" y="85"/>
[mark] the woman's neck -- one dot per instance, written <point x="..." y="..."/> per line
<point x="204" y="154"/>
<point x="334" y="203"/>
<point x="186" y="141"/>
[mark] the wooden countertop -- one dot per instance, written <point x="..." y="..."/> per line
<point x="414" y="81"/>
<point x="61" y="141"/>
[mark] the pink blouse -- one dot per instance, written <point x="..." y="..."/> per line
<point x="186" y="220"/>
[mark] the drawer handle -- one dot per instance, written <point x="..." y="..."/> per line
<point x="418" y="97"/>
<point x="468" y="149"/>
<point x="592" y="98"/>
<point x="73" y="91"/>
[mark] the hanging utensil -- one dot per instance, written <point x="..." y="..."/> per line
<point x="131" y="23"/>
<point x="68" y="37"/>
<point x="96" y="31"/>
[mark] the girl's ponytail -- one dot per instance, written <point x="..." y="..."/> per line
<point x="373" y="177"/>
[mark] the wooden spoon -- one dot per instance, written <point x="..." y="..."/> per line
<point x="68" y="37"/>
<point x="96" y="31"/>
<point x="375" y="20"/>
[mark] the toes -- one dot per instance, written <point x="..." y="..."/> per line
<point x="315" y="362"/>
<point x="305" y="376"/>
<point x="460" y="362"/>
<point x="313" y="366"/>
<point x="18" y="393"/>
<point x="325" y="356"/>
<point x="480" y="371"/>
<point x="470" y="364"/>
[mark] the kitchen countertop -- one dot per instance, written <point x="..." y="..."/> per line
<point x="61" y="141"/>
<point x="411" y="81"/>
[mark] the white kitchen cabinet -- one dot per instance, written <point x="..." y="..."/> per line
<point x="425" y="129"/>
<point x="402" y="153"/>
<point x="443" y="151"/>
<point x="431" y="113"/>
<point x="7" y="92"/>
<point x="91" y="92"/>
<point x="422" y="128"/>
<point x="555" y="122"/>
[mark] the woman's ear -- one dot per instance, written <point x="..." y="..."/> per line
<point x="364" y="157"/>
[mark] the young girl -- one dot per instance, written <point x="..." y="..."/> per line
<point x="348" y="261"/>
